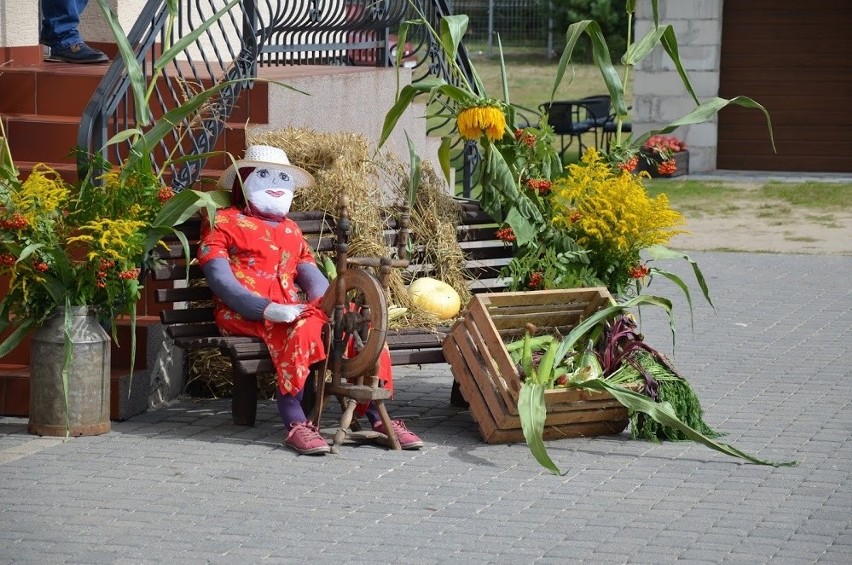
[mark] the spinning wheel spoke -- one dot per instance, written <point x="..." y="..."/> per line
<point x="363" y="322"/>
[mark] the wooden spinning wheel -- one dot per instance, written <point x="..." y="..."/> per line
<point x="356" y="304"/>
<point x="359" y="321"/>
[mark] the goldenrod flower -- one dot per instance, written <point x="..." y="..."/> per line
<point x="114" y="239"/>
<point x="43" y="193"/>
<point x="476" y="121"/>
<point x="611" y="212"/>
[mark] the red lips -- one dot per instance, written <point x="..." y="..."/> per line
<point x="275" y="193"/>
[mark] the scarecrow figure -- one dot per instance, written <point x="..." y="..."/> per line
<point x="257" y="261"/>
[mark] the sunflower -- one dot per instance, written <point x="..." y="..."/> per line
<point x="487" y="119"/>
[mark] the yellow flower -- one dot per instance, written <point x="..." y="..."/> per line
<point x="43" y="193"/>
<point x="612" y="212"/>
<point x="113" y="239"/>
<point x="476" y="121"/>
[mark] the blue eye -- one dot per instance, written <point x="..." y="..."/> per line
<point x="284" y="176"/>
<point x="262" y="173"/>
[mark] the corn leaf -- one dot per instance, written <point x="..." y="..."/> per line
<point x="600" y="57"/>
<point x="707" y="110"/>
<point x="526" y="359"/>
<point x="15" y="338"/>
<point x="663" y="413"/>
<point x="403" y="100"/>
<point x="453" y="29"/>
<point x="663" y="252"/>
<point x="186" y="40"/>
<point x="415" y="169"/>
<point x="444" y="157"/>
<point x="132" y="66"/>
<point x="532" y="412"/>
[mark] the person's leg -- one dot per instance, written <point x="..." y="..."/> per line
<point x="302" y="435"/>
<point x="60" y="22"/>
<point x="407" y="438"/>
<point x="60" y="32"/>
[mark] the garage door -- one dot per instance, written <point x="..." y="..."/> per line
<point x="795" y="58"/>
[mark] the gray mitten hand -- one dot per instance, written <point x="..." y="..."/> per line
<point x="282" y="313"/>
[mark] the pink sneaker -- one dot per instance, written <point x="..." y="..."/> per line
<point x="305" y="438"/>
<point x="407" y="438"/>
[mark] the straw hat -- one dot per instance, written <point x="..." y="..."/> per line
<point x="266" y="156"/>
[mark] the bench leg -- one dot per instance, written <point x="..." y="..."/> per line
<point x="244" y="402"/>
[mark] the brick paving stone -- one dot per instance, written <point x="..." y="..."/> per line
<point x="183" y="484"/>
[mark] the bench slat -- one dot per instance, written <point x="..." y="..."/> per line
<point x="191" y="294"/>
<point x="254" y="366"/>
<point x="187" y="316"/>
<point x="187" y="331"/>
<point x="176" y="272"/>
<point x="419" y="357"/>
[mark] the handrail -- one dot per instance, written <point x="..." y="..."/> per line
<point x="250" y="35"/>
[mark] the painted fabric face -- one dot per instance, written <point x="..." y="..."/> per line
<point x="270" y="191"/>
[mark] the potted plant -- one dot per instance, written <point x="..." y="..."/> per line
<point x="74" y="252"/>
<point x="664" y="156"/>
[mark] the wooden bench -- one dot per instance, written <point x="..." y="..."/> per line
<point x="194" y="327"/>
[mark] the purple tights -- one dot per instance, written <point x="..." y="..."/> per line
<point x="290" y="409"/>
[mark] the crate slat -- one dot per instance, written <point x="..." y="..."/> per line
<point x="489" y="380"/>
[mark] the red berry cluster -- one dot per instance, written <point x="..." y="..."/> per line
<point x="104" y="265"/>
<point x="664" y="144"/>
<point x="41" y="266"/>
<point x="7" y="259"/>
<point x="540" y="185"/>
<point x="629" y="165"/>
<point x="527" y="139"/>
<point x="505" y="234"/>
<point x="536" y="280"/>
<point x="165" y="194"/>
<point x="667" y="167"/>
<point x="129" y="274"/>
<point x="16" y="222"/>
<point x="639" y="272"/>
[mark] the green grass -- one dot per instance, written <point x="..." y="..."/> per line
<point x="811" y="194"/>
<point x="773" y="200"/>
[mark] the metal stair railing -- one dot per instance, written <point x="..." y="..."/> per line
<point x="251" y="33"/>
<point x="261" y="33"/>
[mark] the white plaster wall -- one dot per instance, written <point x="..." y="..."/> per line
<point x="350" y="99"/>
<point x="93" y="26"/>
<point x="659" y="96"/>
<point x="19" y="23"/>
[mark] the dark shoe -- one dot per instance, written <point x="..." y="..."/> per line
<point x="304" y="437"/>
<point x="407" y="438"/>
<point x="77" y="53"/>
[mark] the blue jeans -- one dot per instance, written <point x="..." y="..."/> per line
<point x="60" y="20"/>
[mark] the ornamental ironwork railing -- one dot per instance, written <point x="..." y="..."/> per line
<point x="255" y="33"/>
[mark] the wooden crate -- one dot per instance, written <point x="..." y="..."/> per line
<point x="489" y="380"/>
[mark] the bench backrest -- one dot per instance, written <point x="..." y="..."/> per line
<point x="485" y="255"/>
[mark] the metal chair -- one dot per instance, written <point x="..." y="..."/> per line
<point x="598" y="112"/>
<point x="564" y="118"/>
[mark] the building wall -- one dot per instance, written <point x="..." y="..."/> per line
<point x="659" y="96"/>
<point x="19" y="23"/>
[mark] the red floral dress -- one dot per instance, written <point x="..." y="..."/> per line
<point x="264" y="259"/>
